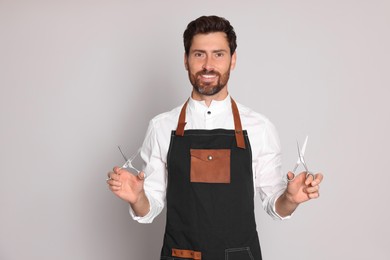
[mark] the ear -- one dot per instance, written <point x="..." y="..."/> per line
<point x="186" y="61"/>
<point x="233" y="61"/>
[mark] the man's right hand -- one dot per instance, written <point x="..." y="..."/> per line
<point x="129" y="188"/>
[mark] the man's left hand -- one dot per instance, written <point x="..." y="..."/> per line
<point x="303" y="187"/>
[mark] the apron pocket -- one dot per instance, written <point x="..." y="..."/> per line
<point x="210" y="165"/>
<point x="243" y="253"/>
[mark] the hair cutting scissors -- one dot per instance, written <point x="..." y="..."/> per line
<point x="301" y="160"/>
<point x="128" y="164"/>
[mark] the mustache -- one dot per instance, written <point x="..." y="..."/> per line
<point x="208" y="72"/>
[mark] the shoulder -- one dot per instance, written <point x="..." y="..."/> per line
<point x="249" y="117"/>
<point x="263" y="135"/>
<point x="160" y="128"/>
<point x="166" y="119"/>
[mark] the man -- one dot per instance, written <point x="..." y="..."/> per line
<point x="205" y="161"/>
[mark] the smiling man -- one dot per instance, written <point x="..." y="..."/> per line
<point x="206" y="160"/>
<point x="209" y="62"/>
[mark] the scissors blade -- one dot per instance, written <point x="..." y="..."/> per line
<point x="295" y="167"/>
<point x="299" y="159"/>
<point x="301" y="152"/>
<point x="301" y="155"/>
<point x="304" y="146"/>
<point x="135" y="154"/>
<point x="122" y="153"/>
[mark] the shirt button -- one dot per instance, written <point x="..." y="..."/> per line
<point x="210" y="157"/>
<point x="209" y="112"/>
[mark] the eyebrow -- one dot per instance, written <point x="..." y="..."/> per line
<point x="214" y="51"/>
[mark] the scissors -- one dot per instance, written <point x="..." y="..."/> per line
<point x="128" y="164"/>
<point x="301" y="160"/>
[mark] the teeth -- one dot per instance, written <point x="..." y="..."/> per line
<point x="208" y="76"/>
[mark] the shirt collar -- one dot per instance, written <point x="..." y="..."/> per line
<point x="216" y="106"/>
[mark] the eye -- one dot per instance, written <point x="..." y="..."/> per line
<point x="219" y="54"/>
<point x="198" y="54"/>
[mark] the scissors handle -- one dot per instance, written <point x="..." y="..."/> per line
<point x="128" y="164"/>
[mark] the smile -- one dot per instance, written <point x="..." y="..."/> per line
<point x="208" y="77"/>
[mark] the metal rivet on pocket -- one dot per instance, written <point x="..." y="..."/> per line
<point x="210" y="157"/>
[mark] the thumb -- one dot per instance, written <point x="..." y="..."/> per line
<point x="141" y="176"/>
<point x="290" y="176"/>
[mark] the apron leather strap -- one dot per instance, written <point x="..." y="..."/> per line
<point x="237" y="124"/>
<point x="182" y="120"/>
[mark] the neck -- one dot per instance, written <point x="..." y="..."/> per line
<point x="207" y="99"/>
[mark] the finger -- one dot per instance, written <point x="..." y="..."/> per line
<point x="115" y="177"/>
<point x="141" y="176"/>
<point x="112" y="176"/>
<point x="117" y="169"/>
<point x="313" y="189"/>
<point x="290" y="176"/>
<point x="114" y="188"/>
<point x="318" y="179"/>
<point x="314" y="195"/>
<point x="309" y="178"/>
<point x="114" y="183"/>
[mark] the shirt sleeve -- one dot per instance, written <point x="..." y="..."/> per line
<point x="270" y="183"/>
<point x="155" y="172"/>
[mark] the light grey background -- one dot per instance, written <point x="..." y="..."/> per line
<point x="80" y="77"/>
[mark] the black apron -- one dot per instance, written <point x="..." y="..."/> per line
<point x="210" y="205"/>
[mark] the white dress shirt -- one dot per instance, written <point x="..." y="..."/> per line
<point x="268" y="179"/>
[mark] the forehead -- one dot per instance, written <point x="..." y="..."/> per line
<point x="210" y="41"/>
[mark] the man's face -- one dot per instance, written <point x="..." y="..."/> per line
<point x="209" y="63"/>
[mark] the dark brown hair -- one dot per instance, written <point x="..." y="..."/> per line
<point x="209" y="24"/>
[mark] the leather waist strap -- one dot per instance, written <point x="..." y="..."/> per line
<point x="237" y="124"/>
<point x="187" y="254"/>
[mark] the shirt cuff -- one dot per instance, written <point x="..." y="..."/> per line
<point x="154" y="210"/>
<point x="272" y="211"/>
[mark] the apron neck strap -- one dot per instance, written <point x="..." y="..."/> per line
<point x="237" y="124"/>
<point x="182" y="120"/>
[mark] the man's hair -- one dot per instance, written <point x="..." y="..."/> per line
<point x="209" y="24"/>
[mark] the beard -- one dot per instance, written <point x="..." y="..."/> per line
<point x="208" y="88"/>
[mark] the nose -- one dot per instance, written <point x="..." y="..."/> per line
<point x="208" y="64"/>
